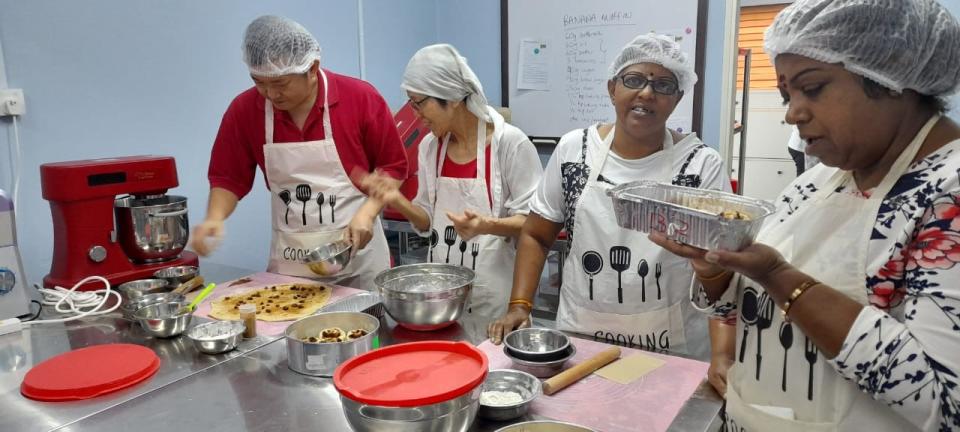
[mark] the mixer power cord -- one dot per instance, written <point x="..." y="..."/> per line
<point x="81" y="303"/>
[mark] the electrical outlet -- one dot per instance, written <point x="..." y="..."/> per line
<point x="11" y="102"/>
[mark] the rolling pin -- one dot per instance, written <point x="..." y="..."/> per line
<point x="577" y="372"/>
<point x="189" y="285"/>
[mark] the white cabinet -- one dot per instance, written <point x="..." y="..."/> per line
<point x="765" y="178"/>
<point x="768" y="167"/>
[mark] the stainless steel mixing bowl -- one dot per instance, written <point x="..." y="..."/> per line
<point x="216" y="337"/>
<point x="537" y="343"/>
<point x="545" y="369"/>
<point x="131" y="306"/>
<point x="329" y="259"/>
<point x="425" y="296"/>
<point x="135" y="289"/>
<point x="152" y="229"/>
<point x="509" y="380"/>
<point x="176" y="275"/>
<point x="164" y="320"/>
<point x="455" y="415"/>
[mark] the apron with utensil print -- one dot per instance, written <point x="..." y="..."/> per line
<point x="313" y="201"/>
<point x="620" y="287"/>
<point x="490" y="256"/>
<point x="779" y="370"/>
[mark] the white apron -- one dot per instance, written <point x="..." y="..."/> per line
<point x="827" y="239"/>
<point x="491" y="257"/>
<point x="313" y="202"/>
<point x="603" y="294"/>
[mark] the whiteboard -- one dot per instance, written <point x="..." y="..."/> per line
<point x="564" y="85"/>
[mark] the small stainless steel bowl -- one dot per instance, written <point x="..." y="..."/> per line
<point x="216" y="337"/>
<point x="427" y="296"/>
<point x="131" y="306"/>
<point x="509" y="380"/>
<point x="537" y="344"/>
<point x="176" y="275"/>
<point x="135" y="289"/>
<point x="544" y="426"/>
<point x="541" y="369"/>
<point x="164" y="319"/>
<point x="329" y="259"/>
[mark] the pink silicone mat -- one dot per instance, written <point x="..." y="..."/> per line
<point x="259" y="280"/>
<point x="649" y="404"/>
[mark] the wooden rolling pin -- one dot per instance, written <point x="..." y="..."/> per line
<point x="577" y="372"/>
<point x="189" y="285"/>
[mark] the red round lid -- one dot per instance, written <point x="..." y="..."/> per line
<point x="412" y="374"/>
<point x="89" y="372"/>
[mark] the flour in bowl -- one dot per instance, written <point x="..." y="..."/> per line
<point x="500" y="398"/>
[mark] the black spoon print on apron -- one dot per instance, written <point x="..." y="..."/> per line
<point x="748" y="314"/>
<point x="592" y="264"/>
<point x="786" y="339"/>
<point x="643" y="270"/>
<point x="620" y="261"/>
<point x="450" y="239"/>
<point x="320" y="206"/>
<point x="474" y="251"/>
<point x="811" y="355"/>
<point x="304" y="194"/>
<point x="657" y="272"/>
<point x="333" y="212"/>
<point x="764" y="319"/>
<point x="285" y="197"/>
<point x="463" y="250"/>
<point x="434" y="240"/>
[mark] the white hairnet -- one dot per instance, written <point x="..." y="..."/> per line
<point x="900" y="44"/>
<point x="441" y="72"/>
<point x="657" y="49"/>
<point x="274" y="46"/>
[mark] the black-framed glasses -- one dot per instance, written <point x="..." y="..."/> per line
<point x="418" y="104"/>
<point x="664" y="86"/>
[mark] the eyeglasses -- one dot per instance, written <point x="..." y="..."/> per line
<point x="418" y="104"/>
<point x="664" y="86"/>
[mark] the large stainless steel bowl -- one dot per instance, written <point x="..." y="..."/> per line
<point x="152" y="229"/>
<point x="544" y="426"/>
<point x="131" y="306"/>
<point x="329" y="259"/>
<point x="537" y="343"/>
<point x="135" y="289"/>
<point x="216" y="337"/>
<point x="321" y="359"/>
<point x="509" y="380"/>
<point x="164" y="320"/>
<point x="455" y="415"/>
<point x="426" y="296"/>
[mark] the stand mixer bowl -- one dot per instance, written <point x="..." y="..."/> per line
<point x="152" y="229"/>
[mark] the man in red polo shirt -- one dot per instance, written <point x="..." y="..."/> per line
<point x="309" y="130"/>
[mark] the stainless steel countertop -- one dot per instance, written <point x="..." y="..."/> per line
<point x="247" y="389"/>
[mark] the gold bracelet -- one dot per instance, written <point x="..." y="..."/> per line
<point x="795" y="295"/>
<point x="715" y="277"/>
<point x="523" y="302"/>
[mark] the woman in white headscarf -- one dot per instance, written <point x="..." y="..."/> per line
<point x="617" y="285"/>
<point x="849" y="301"/>
<point x="477" y="176"/>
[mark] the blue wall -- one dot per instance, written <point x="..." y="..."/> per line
<point x="107" y="78"/>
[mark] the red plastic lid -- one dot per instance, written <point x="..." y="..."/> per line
<point x="89" y="372"/>
<point x="412" y="374"/>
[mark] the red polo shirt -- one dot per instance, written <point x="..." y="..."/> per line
<point x="363" y="131"/>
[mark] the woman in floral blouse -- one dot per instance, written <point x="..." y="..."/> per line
<point x="848" y="304"/>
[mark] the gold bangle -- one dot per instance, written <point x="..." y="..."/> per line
<point x="715" y="277"/>
<point x="523" y="302"/>
<point x="795" y="295"/>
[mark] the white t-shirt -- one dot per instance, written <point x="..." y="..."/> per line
<point x="701" y="165"/>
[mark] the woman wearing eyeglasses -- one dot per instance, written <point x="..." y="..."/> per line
<point x="617" y="285"/>
<point x="477" y="176"/>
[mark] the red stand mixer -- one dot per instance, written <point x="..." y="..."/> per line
<point x="113" y="218"/>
